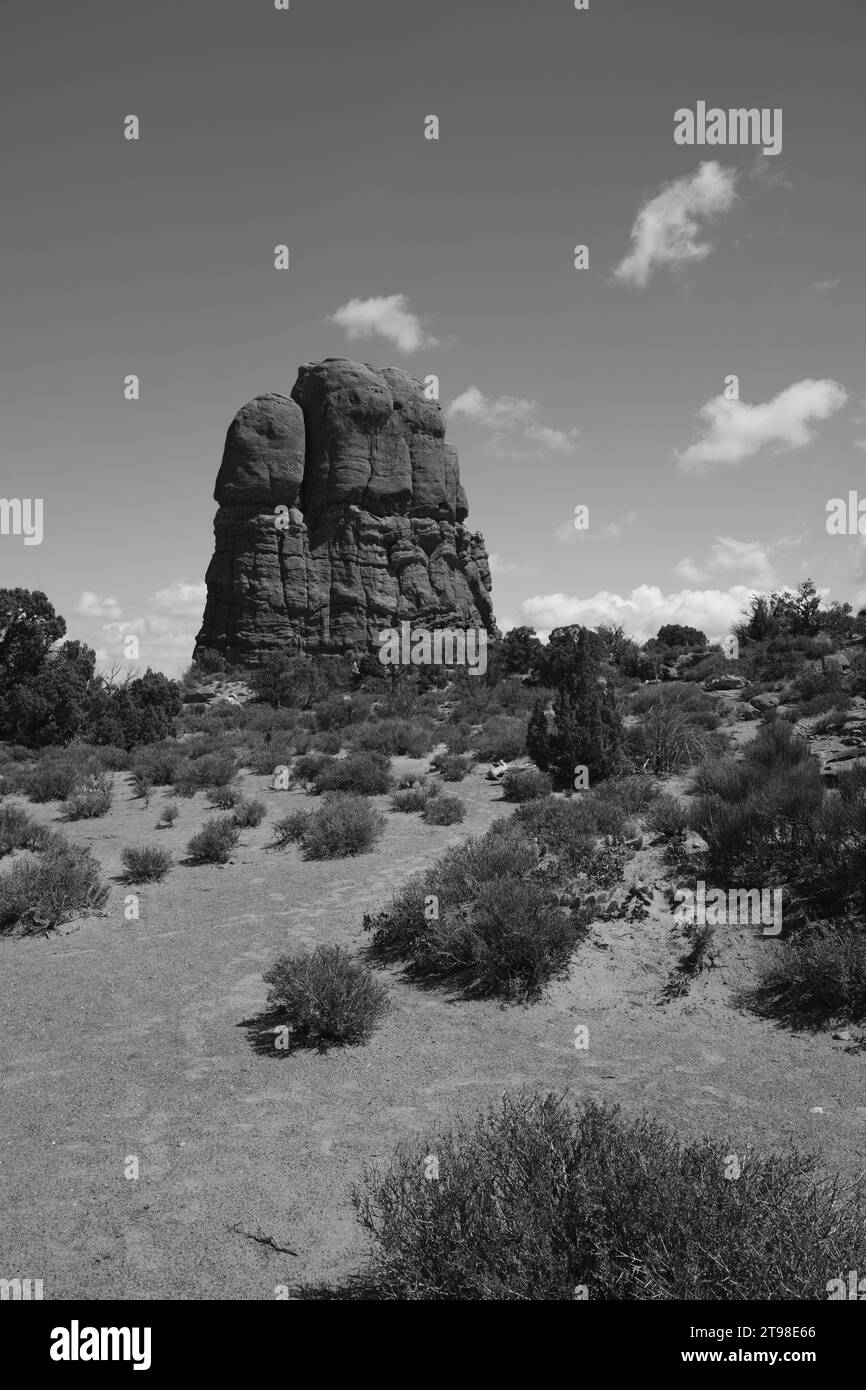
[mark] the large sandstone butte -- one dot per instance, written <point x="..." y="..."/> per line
<point x="375" y="531"/>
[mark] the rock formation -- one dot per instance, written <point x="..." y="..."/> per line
<point x="340" y="514"/>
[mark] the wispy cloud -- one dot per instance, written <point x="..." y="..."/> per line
<point x="733" y="430"/>
<point x="501" y="414"/>
<point x="387" y="317"/>
<point x="751" y="560"/>
<point x="823" y="285"/>
<point x="90" y="605"/>
<point x="567" y="532"/>
<point x="667" y="229"/>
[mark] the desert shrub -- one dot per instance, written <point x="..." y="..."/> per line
<point x="169" y="814"/>
<point x="452" y="767"/>
<point x="459" y="738"/>
<point x="395" y="737"/>
<point x="263" y="755"/>
<point x="142" y="787"/>
<point x="20" y="831"/>
<point x="817" y="975"/>
<point x="536" y="1198"/>
<point x="290" y="830"/>
<point x="158" y="763"/>
<point x="776" y="745"/>
<point x="444" y="810"/>
<point x="199" y="771"/>
<point x="413" y="798"/>
<point x="525" y="785"/>
<point x="145" y="863"/>
<point x="327" y="741"/>
<point x="334" y="713"/>
<point x="249" y="813"/>
<point x="367" y="773"/>
<point x="307" y="767"/>
<point x="502" y="738"/>
<point x="345" y="825"/>
<point x="325" y="997"/>
<point x="667" y="816"/>
<point x="39" y="894"/>
<point x="58" y="772"/>
<point x="498" y="930"/>
<point x="213" y="844"/>
<point x="224" y="798"/>
<point x="91" y="800"/>
<point x="626" y="795"/>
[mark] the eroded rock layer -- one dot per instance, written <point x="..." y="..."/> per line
<point x="340" y="513"/>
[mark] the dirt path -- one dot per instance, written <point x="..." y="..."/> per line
<point x="125" y="1038"/>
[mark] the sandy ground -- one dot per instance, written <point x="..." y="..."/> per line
<point x="127" y="1038"/>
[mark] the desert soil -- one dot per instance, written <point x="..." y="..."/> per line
<point x="128" y="1038"/>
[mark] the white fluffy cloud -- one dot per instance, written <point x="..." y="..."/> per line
<point x="749" y="559"/>
<point x="668" y="226"/>
<point x="385" y="316"/>
<point x="90" y="605"/>
<point x="181" y="597"/>
<point x="733" y="430"/>
<point x="643" y="611"/>
<point x="503" y="413"/>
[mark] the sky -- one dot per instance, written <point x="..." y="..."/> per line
<point x="601" y="387"/>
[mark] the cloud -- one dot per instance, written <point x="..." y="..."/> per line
<point x="500" y="413"/>
<point x="503" y="413"/>
<point x="556" y="440"/>
<point x="734" y="430"/>
<point x="667" y="227"/>
<point x="643" y="611"/>
<point x="500" y="566"/>
<point x="568" y="533"/>
<point x="860" y="443"/>
<point x="90" y="605"/>
<point x="822" y="285"/>
<point x="389" y="317"/>
<point x="166" y="636"/>
<point x="181" y="597"/>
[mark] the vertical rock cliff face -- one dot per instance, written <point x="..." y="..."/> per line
<point x="340" y="513"/>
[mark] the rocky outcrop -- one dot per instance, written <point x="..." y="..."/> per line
<point x="340" y="514"/>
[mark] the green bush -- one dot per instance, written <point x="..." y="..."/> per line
<point x="525" y="785"/>
<point x="443" y="810"/>
<point x="290" y="830"/>
<point x="169" y="814"/>
<point x="345" y="825"/>
<point x="452" y="767"/>
<point x="145" y="863"/>
<point x="213" y="844"/>
<point x="20" y="831"/>
<point x="413" y="798"/>
<point x="224" y="798"/>
<point x="249" y="813"/>
<point x="535" y="1200"/>
<point x="308" y="766"/>
<point x="63" y="883"/>
<point x="667" y="816"/>
<point x="395" y="737"/>
<point x="91" y="800"/>
<point x="369" y="774"/>
<point x="325" y="997"/>
<point x="502" y="738"/>
<point x="58" y="773"/>
<point x="816" y="976"/>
